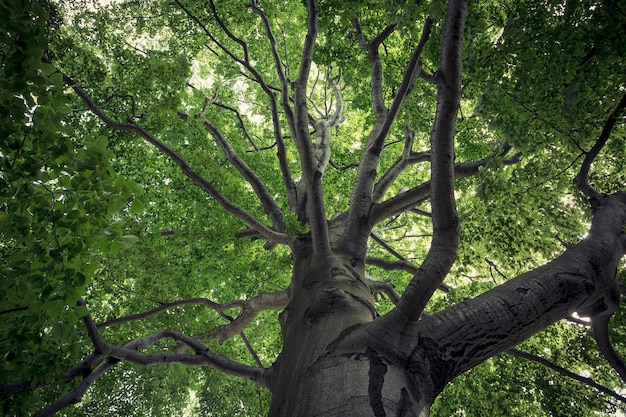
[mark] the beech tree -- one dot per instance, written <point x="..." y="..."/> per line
<point x="312" y="208"/>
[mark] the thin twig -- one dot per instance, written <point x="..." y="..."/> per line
<point x="588" y="381"/>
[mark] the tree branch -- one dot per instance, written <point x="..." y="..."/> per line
<point x="312" y="177"/>
<point x="387" y="265"/>
<point x="278" y="66"/>
<point x="292" y="194"/>
<point x="408" y="81"/>
<point x="324" y="126"/>
<point x="249" y="310"/>
<point x="202" y="356"/>
<point x="405" y="160"/>
<point x="322" y="145"/>
<point x="266" y="232"/>
<point x="358" y="222"/>
<point x="77" y="394"/>
<point x="376" y="82"/>
<point x="408" y="199"/>
<point x="337" y="117"/>
<point x="562" y="371"/>
<point x="253" y="353"/>
<point x="600" y="325"/>
<point x="268" y="203"/>
<point x="401" y="265"/>
<point x="228" y="33"/>
<point x="129" y="353"/>
<point x="581" y="280"/>
<point x="168" y="306"/>
<point x="382" y="287"/>
<point x="244" y="129"/>
<point x="92" y="330"/>
<point x="290" y="186"/>
<point x="583" y="175"/>
<point x="369" y="163"/>
<point x="444" y="245"/>
<point x="13" y="310"/>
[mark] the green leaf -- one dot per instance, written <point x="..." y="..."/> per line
<point x="115" y="248"/>
<point x="138" y="206"/>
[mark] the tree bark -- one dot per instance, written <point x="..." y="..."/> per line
<point x="317" y="374"/>
<point x="340" y="358"/>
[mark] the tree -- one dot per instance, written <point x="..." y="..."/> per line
<point x="177" y="173"/>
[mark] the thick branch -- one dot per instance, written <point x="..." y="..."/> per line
<point x="444" y="245"/>
<point x="250" y="220"/>
<point x="92" y="330"/>
<point x="361" y="198"/>
<point x="249" y="310"/>
<point x="583" y="175"/>
<point x="600" y="325"/>
<point x="362" y="192"/>
<point x="376" y="82"/>
<point x="311" y="176"/>
<point x="581" y="280"/>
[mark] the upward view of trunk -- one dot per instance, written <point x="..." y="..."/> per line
<point x="317" y="373"/>
<point x="340" y="358"/>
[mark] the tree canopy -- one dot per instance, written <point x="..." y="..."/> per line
<point x="162" y="160"/>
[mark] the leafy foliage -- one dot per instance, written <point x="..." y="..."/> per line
<point x="91" y="213"/>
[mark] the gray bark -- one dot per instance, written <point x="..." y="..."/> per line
<point x="317" y="374"/>
<point x="340" y="358"/>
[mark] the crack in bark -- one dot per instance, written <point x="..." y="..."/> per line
<point x="404" y="407"/>
<point x="430" y="371"/>
<point x="377" y="372"/>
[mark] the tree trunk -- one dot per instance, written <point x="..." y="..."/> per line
<point x="339" y="358"/>
<point x="317" y="374"/>
<point x="363" y="383"/>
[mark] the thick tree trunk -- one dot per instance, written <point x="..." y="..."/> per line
<point x="317" y="374"/>
<point x="360" y="383"/>
<point x="339" y="358"/>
